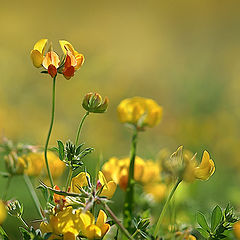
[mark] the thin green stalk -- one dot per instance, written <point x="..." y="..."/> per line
<point x="50" y="131"/>
<point x="80" y="128"/>
<point x="115" y="219"/>
<point x="70" y="172"/>
<point x="165" y="208"/>
<point x="7" y="187"/>
<point x="23" y="222"/>
<point x="129" y="198"/>
<point x="33" y="194"/>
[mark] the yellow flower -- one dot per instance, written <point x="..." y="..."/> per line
<point x="36" y="164"/>
<point x="66" y="223"/>
<point x="72" y="59"/>
<point x="206" y="168"/>
<point x="3" y="212"/>
<point x="140" y="112"/>
<point x="108" y="188"/>
<point x="156" y="190"/>
<point x="93" y="230"/>
<point x="79" y="181"/>
<point x="236" y="229"/>
<point x="15" y="165"/>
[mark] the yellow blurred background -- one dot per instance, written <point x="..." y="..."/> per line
<point x="183" y="54"/>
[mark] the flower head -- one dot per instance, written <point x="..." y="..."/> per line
<point x="139" y="112"/>
<point x="93" y="230"/>
<point x="71" y="62"/>
<point x="3" y="212"/>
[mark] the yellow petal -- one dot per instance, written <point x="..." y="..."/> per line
<point x="80" y="60"/>
<point x="65" y="45"/>
<point x="109" y="189"/>
<point x="93" y="232"/>
<point x="86" y="219"/>
<point x="51" y="58"/>
<point x="3" y="212"/>
<point x="40" y="45"/>
<point x="102" y="179"/>
<point x="102" y="218"/>
<point x="37" y="58"/>
<point x="45" y="227"/>
<point x="104" y="229"/>
<point x="69" y="236"/>
<point x="79" y="181"/>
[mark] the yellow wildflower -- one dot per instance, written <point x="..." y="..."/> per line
<point x="14" y="164"/>
<point x="140" y="112"/>
<point x="51" y="62"/>
<point x="156" y="190"/>
<point x="79" y="181"/>
<point x="3" y="212"/>
<point x="93" y="230"/>
<point x="206" y="167"/>
<point x="65" y="222"/>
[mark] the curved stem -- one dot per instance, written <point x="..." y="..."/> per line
<point x="129" y="199"/>
<point x="33" y="194"/>
<point x="80" y="128"/>
<point x="165" y="208"/>
<point x="50" y="131"/>
<point x="23" y="222"/>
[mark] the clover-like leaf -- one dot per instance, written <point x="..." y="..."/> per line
<point x="216" y="217"/>
<point x="202" y="221"/>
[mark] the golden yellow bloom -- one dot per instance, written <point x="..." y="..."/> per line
<point x="156" y="190"/>
<point x="93" y="230"/>
<point x="51" y="62"/>
<point x="140" y="112"/>
<point x="236" y="229"/>
<point x="206" y="168"/>
<point x="108" y="188"/>
<point x="3" y="212"/>
<point x="66" y="223"/>
<point x="15" y="165"/>
<point x="79" y="181"/>
<point x="36" y="164"/>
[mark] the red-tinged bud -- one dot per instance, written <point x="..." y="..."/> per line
<point x="52" y="70"/>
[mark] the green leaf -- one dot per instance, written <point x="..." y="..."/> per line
<point x="216" y="217"/>
<point x="3" y="235"/>
<point x="202" y="221"/>
<point x="60" y="149"/>
<point x="203" y="232"/>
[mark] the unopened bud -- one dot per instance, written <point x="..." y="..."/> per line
<point x="15" y="208"/>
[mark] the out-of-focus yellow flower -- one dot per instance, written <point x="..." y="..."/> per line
<point x="3" y="212"/>
<point x="93" y="230"/>
<point x="185" y="235"/>
<point x="36" y="164"/>
<point x="156" y="190"/>
<point x="206" y="167"/>
<point x="236" y="229"/>
<point x="140" y="112"/>
<point x="66" y="223"/>
<point x="15" y="165"/>
<point x="72" y="59"/>
<point x="79" y="181"/>
<point x="108" y="188"/>
<point x="151" y="172"/>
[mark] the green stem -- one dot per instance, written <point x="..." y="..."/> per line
<point x="80" y="128"/>
<point x="129" y="198"/>
<point x="23" y="222"/>
<point x="69" y="178"/>
<point x="115" y="219"/>
<point x="7" y="187"/>
<point x="165" y="208"/>
<point x="50" y="131"/>
<point x="33" y="194"/>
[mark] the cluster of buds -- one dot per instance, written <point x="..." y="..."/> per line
<point x="14" y="208"/>
<point x="93" y="102"/>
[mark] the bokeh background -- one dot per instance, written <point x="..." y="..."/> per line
<point x="183" y="54"/>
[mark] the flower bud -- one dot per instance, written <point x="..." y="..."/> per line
<point x="15" y="165"/>
<point x="15" y="209"/>
<point x="3" y="212"/>
<point x="92" y="102"/>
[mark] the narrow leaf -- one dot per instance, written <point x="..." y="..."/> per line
<point x="60" y="150"/>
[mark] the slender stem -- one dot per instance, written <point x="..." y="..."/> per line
<point x="165" y="208"/>
<point x="69" y="178"/>
<point x="80" y="128"/>
<point x="129" y="198"/>
<point x="50" y="131"/>
<point x="23" y="221"/>
<point x="115" y="219"/>
<point x="33" y="194"/>
<point x="7" y="187"/>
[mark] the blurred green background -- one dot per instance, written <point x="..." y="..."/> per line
<point x="183" y="54"/>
